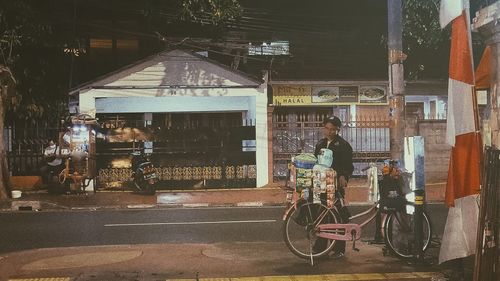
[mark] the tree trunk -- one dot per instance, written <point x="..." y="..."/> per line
<point x="4" y="174"/>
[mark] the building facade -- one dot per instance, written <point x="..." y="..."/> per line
<point x="204" y="123"/>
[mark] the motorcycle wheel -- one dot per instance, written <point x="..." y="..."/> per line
<point x="144" y="187"/>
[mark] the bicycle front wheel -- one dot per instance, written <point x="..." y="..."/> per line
<point x="400" y="237"/>
<point x="300" y="230"/>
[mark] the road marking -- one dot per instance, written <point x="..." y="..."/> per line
<point x="331" y="277"/>
<point x="250" y="204"/>
<point x="195" y="205"/>
<point x="141" y="206"/>
<point x="186" y="223"/>
<point x="43" y="279"/>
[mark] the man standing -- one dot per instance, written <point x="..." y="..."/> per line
<point x="342" y="164"/>
<point x="53" y="162"/>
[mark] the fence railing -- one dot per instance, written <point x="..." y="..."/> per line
<point x="24" y="148"/>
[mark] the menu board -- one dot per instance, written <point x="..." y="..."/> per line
<point x="372" y="95"/>
<point x="335" y="94"/>
<point x="329" y="94"/>
<point x="348" y="94"/>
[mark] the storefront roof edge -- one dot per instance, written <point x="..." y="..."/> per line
<point x="428" y="87"/>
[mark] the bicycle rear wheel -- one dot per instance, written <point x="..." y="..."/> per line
<point x="399" y="234"/>
<point x="300" y="230"/>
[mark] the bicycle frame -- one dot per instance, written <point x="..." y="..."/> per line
<point x="351" y="231"/>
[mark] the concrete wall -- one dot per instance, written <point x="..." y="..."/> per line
<point x="437" y="151"/>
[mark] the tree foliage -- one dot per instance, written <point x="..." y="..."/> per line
<point x="423" y="40"/>
<point x="426" y="44"/>
<point x="217" y="12"/>
<point x="34" y="60"/>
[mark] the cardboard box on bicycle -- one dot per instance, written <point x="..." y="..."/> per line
<point x="318" y="180"/>
<point x="300" y="178"/>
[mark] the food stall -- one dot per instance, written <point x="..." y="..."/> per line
<point x="77" y="144"/>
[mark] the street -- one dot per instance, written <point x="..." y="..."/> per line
<point x="159" y="244"/>
<point x="111" y="227"/>
<point x="33" y="230"/>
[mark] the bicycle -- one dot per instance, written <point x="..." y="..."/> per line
<point x="305" y="222"/>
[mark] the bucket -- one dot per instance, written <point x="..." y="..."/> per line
<point x="325" y="157"/>
<point x="16" y="193"/>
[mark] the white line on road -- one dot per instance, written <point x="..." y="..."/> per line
<point x="250" y="204"/>
<point x="186" y="223"/>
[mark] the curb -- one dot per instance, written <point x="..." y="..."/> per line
<point x="255" y="204"/>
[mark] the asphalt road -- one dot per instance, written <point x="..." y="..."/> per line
<point x="33" y="230"/>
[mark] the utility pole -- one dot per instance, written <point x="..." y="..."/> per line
<point x="396" y="77"/>
<point x="487" y="264"/>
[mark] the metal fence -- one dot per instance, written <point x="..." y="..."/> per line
<point x="225" y="149"/>
<point x="369" y="137"/>
<point x="24" y="148"/>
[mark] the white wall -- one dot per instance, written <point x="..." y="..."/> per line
<point x="251" y="101"/>
<point x="174" y="104"/>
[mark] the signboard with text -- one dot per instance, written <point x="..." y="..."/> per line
<point x="291" y="95"/>
<point x="304" y="95"/>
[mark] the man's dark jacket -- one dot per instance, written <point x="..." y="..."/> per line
<point x="342" y="155"/>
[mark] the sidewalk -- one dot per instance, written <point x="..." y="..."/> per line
<point x="270" y="195"/>
<point x="270" y="261"/>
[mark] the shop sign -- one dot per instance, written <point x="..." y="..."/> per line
<point x="372" y="95"/>
<point x="288" y="95"/>
<point x="300" y="95"/>
<point x="335" y="95"/>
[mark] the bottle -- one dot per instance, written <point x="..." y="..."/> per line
<point x="305" y="194"/>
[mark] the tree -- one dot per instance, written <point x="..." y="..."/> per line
<point x="7" y="84"/>
<point x="9" y="39"/>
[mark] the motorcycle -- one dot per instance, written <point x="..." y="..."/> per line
<point x="144" y="175"/>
